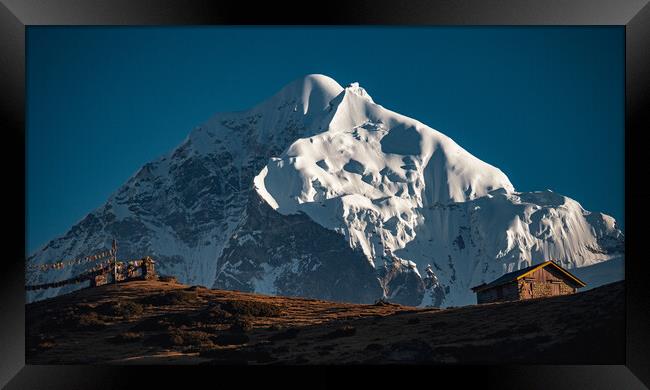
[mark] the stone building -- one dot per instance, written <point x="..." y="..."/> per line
<point x="98" y="280"/>
<point x="541" y="280"/>
<point x="142" y="269"/>
<point x="148" y="268"/>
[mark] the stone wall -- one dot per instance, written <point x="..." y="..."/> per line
<point x="565" y="289"/>
<point x="546" y="289"/>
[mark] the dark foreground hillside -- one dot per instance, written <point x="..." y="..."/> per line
<point x="156" y="322"/>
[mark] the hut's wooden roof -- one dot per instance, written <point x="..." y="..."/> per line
<point x="522" y="273"/>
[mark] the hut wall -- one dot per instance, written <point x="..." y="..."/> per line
<point x="565" y="289"/>
<point x="510" y="292"/>
<point x="545" y="282"/>
<point x="525" y="289"/>
<point x="486" y="296"/>
<point x="505" y="292"/>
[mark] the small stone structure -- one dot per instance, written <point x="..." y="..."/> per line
<point x="542" y="280"/>
<point x="142" y="269"/>
<point x="148" y="268"/>
<point x="99" y="280"/>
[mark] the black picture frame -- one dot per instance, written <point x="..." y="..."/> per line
<point x="15" y="15"/>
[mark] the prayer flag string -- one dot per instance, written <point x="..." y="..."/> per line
<point x="63" y="264"/>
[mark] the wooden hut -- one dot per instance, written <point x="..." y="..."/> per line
<point x="542" y="280"/>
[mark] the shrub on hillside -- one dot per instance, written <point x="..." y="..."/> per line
<point x="85" y="321"/>
<point x="213" y="314"/>
<point x="241" y="325"/>
<point x="120" y="309"/>
<point x="251" y="308"/>
<point x="151" y="324"/>
<point x="167" y="279"/>
<point x="196" y="288"/>
<point x="171" y="298"/>
<point x="178" y="338"/>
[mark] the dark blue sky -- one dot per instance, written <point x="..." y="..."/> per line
<point x="545" y="105"/>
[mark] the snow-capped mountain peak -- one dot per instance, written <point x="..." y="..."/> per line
<point x="320" y="192"/>
<point x="312" y="93"/>
<point x="360" y="91"/>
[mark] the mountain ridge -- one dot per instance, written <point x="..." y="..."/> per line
<point x="390" y="185"/>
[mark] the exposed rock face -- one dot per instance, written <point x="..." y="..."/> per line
<point x="182" y="208"/>
<point x="294" y="256"/>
